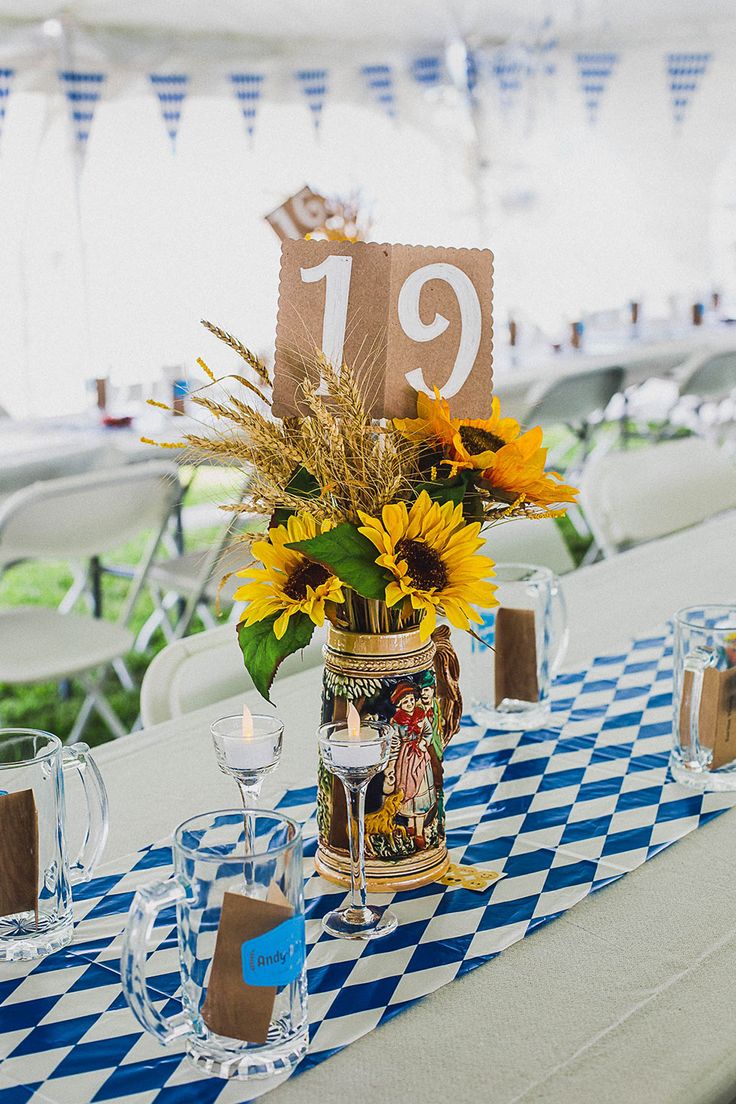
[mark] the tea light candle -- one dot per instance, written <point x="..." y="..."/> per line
<point x="250" y="752"/>
<point x="359" y="746"/>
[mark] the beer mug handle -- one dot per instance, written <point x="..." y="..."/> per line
<point x="559" y="616"/>
<point x="77" y="757"/>
<point x="696" y="662"/>
<point x="148" y="902"/>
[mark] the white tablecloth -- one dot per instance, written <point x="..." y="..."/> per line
<point x="520" y="380"/>
<point x="627" y="998"/>
<point x="46" y="448"/>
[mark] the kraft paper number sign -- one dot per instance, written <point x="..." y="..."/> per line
<point x="259" y="948"/>
<point x="18" y="853"/>
<point x="404" y="318"/>
<point x="298" y="215"/>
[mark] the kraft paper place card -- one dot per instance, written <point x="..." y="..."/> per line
<point x="404" y="318"/>
<point x="716" y="715"/>
<point x="18" y="853"/>
<point x="515" y="645"/>
<point x="717" y="719"/>
<point x="298" y="215"/>
<point x="256" y="952"/>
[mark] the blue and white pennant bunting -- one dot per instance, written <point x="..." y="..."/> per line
<point x="380" y="81"/>
<point x="6" y="87"/>
<point x="427" y="70"/>
<point x="248" y="88"/>
<point x="685" y="72"/>
<point x="594" y="70"/>
<point x="314" y="84"/>
<point x="83" y="91"/>
<point x="171" y="89"/>
<point x="509" y="70"/>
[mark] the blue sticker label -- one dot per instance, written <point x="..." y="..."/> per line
<point x="277" y="956"/>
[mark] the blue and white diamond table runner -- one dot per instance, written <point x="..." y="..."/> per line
<point x="560" y="812"/>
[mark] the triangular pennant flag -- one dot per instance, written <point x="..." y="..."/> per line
<point x="427" y="70"/>
<point x="83" y="91"/>
<point x="471" y="73"/>
<point x="6" y="86"/>
<point x="171" y="89"/>
<point x="314" y="84"/>
<point x="594" y="71"/>
<point x="380" y="81"/>
<point x="248" y="88"/>
<point x="509" y="71"/>
<point x="685" y="72"/>
<point x="547" y="47"/>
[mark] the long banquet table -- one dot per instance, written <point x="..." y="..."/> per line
<point x="629" y="996"/>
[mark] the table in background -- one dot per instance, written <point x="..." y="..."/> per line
<point x="520" y="381"/>
<point x="630" y="997"/>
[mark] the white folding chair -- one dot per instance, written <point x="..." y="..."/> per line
<point x="529" y="541"/>
<point x="187" y="585"/>
<point x="578" y="401"/>
<point x="205" y="668"/>
<point x="706" y="393"/>
<point x="79" y="518"/>
<point x="643" y="494"/>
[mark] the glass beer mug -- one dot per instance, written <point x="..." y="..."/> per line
<point x="242" y="952"/>
<point x="704" y="723"/>
<point x="506" y="676"/>
<point x="35" y="870"/>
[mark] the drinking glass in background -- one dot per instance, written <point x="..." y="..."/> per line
<point x="36" y="872"/>
<point x="506" y="680"/>
<point x="242" y="950"/>
<point x="704" y="722"/>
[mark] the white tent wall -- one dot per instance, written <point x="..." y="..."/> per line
<point x="579" y="217"/>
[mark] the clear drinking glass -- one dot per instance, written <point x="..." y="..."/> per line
<point x="37" y="762"/>
<point x="704" y="722"/>
<point x="209" y="863"/>
<point x="506" y="678"/>
<point x="355" y="759"/>
<point x="248" y="759"/>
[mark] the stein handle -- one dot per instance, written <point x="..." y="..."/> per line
<point x="77" y="757"/>
<point x="696" y="662"/>
<point x="560" y="616"/>
<point x="148" y="902"/>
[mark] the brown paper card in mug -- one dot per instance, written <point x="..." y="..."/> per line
<point x="405" y="318"/>
<point x="298" y="215"/>
<point x="18" y="853"/>
<point x="232" y="1007"/>
<point x="515" y="647"/>
<point x="717" y="717"/>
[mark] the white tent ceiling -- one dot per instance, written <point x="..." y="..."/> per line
<point x="400" y="24"/>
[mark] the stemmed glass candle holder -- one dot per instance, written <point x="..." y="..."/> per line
<point x="248" y="747"/>
<point x="354" y="753"/>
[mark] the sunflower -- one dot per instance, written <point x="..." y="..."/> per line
<point x="467" y="441"/>
<point x="519" y="469"/>
<point x="288" y="583"/>
<point x="430" y="552"/>
<point x="510" y="463"/>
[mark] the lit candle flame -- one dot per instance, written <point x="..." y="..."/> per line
<point x="247" y="723"/>
<point x="353" y="723"/>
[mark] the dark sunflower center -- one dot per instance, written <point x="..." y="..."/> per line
<point x="424" y="565"/>
<point x="307" y="574"/>
<point x="480" y="440"/>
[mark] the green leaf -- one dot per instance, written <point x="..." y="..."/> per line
<point x="302" y="484"/>
<point x="350" y="556"/>
<point x="263" y="653"/>
<point x="445" y="490"/>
